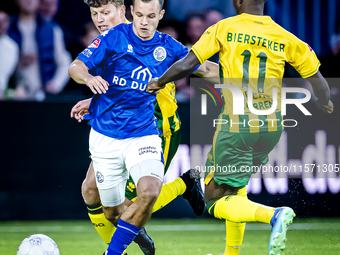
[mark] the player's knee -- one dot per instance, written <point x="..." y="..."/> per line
<point x="90" y="192"/>
<point x="113" y="218"/>
<point x="112" y="214"/>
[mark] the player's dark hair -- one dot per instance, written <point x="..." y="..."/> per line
<point x="99" y="3"/>
<point x="161" y="2"/>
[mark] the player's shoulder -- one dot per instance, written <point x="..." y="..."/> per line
<point x="170" y="45"/>
<point x="223" y="24"/>
<point x="289" y="36"/>
<point x="168" y="40"/>
<point x="228" y="21"/>
<point x="165" y="38"/>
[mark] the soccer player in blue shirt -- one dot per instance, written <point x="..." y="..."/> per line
<point x="124" y="137"/>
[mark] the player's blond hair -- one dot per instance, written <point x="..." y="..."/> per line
<point x="99" y="3"/>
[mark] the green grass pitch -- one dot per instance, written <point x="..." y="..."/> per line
<point x="184" y="237"/>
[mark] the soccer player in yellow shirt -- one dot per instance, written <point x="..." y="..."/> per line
<point x="253" y="50"/>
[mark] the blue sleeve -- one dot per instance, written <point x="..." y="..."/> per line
<point x="100" y="49"/>
<point x="182" y="52"/>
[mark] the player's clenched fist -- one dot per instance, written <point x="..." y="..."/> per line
<point x="97" y="84"/>
<point x="153" y="86"/>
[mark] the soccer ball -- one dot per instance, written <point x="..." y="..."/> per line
<point x="38" y="245"/>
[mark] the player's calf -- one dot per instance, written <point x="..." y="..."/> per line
<point x="148" y="190"/>
<point x="148" y="175"/>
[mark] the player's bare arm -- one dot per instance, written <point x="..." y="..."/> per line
<point x="177" y="71"/>
<point x="209" y="71"/>
<point x="79" y="72"/>
<point x="80" y="109"/>
<point x="321" y="91"/>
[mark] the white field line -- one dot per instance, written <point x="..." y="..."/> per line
<point x="165" y="228"/>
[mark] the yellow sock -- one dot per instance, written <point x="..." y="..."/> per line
<point x="239" y="209"/>
<point x="264" y="214"/>
<point x="104" y="227"/>
<point x="232" y="250"/>
<point x="169" y="192"/>
<point x="235" y="232"/>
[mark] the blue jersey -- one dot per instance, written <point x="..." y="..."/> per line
<point x="128" y="63"/>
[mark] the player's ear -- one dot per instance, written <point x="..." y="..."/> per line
<point x="161" y="14"/>
<point x="122" y="11"/>
<point x="131" y="9"/>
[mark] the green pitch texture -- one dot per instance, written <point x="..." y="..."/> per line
<point x="185" y="237"/>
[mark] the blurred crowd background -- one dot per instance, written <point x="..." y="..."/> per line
<point x="40" y="38"/>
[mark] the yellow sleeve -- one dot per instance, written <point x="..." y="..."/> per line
<point x="207" y="45"/>
<point x="302" y="57"/>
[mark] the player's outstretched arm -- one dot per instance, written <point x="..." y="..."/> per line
<point x="208" y="70"/>
<point x="80" y="109"/>
<point x="177" y="71"/>
<point x="321" y="91"/>
<point x="79" y="72"/>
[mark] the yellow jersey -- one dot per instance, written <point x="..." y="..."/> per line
<point x="165" y="110"/>
<point x="253" y="51"/>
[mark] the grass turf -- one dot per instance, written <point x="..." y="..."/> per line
<point x="185" y="237"/>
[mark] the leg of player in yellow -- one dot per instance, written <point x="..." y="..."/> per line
<point x="238" y="209"/>
<point x="225" y="193"/>
<point x="235" y="232"/>
<point x="169" y="192"/>
<point x="177" y="187"/>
